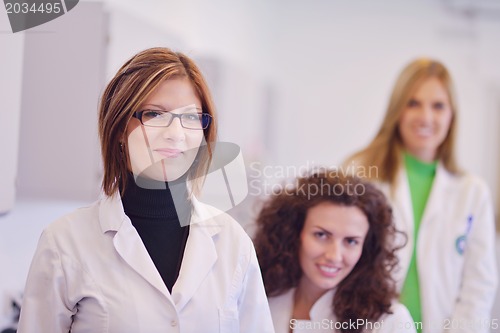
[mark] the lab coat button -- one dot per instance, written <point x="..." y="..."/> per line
<point x="173" y="323"/>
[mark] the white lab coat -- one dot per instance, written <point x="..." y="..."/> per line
<point x="323" y="320"/>
<point x="455" y="258"/>
<point x="92" y="274"/>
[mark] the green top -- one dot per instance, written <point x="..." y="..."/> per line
<point x="420" y="177"/>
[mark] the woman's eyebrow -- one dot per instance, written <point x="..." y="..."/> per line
<point x="354" y="237"/>
<point x="163" y="108"/>
<point x="156" y="105"/>
<point x="322" y="229"/>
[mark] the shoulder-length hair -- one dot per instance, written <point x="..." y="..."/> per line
<point x="368" y="290"/>
<point x="124" y="94"/>
<point x="384" y="151"/>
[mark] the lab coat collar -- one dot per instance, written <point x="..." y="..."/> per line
<point x="323" y="307"/>
<point x="199" y="255"/>
<point x="128" y="243"/>
<point x="112" y="215"/>
<point x="439" y="188"/>
<point x="403" y="196"/>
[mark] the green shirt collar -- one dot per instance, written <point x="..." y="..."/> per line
<point x="416" y="165"/>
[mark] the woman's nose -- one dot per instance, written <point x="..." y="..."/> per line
<point x="174" y="131"/>
<point x="333" y="252"/>
<point x="425" y="114"/>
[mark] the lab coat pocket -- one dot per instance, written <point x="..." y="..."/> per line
<point x="229" y="321"/>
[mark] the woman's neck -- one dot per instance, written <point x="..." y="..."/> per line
<point x="306" y="295"/>
<point x="156" y="199"/>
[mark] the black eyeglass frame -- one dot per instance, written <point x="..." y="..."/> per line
<point x="205" y="118"/>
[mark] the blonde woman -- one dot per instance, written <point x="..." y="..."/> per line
<point x="448" y="274"/>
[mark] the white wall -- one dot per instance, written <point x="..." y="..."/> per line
<point x="337" y="61"/>
<point x="333" y="60"/>
<point x="11" y="60"/>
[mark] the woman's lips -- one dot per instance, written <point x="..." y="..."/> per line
<point x="328" y="271"/>
<point x="169" y="153"/>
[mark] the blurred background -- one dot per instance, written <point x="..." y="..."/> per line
<point x="296" y="84"/>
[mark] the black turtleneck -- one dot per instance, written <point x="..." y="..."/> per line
<point x="150" y="206"/>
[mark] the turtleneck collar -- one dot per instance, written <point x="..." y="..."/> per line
<point x="418" y="166"/>
<point x="153" y="199"/>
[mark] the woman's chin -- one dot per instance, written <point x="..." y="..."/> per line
<point x="161" y="172"/>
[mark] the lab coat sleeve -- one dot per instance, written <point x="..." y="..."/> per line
<point x="45" y="306"/>
<point x="479" y="277"/>
<point x="254" y="312"/>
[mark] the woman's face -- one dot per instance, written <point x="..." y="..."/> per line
<point x="331" y="243"/>
<point x="426" y="119"/>
<point x="165" y="153"/>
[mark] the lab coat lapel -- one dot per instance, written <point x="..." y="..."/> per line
<point x="438" y="193"/>
<point x="403" y="216"/>
<point x="128" y="243"/>
<point x="200" y="256"/>
<point x="402" y="199"/>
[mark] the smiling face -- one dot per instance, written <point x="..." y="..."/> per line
<point x="165" y="153"/>
<point x="331" y="244"/>
<point x="425" y="121"/>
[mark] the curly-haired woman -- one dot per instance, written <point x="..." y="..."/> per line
<point x="326" y="259"/>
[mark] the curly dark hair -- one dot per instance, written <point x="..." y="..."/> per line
<point x="367" y="292"/>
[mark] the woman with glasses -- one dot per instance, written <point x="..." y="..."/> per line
<point x="448" y="271"/>
<point x="324" y="246"/>
<point x="149" y="257"/>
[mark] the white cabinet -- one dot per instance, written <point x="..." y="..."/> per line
<point x="11" y="56"/>
<point x="62" y="78"/>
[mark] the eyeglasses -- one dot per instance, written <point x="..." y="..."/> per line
<point x="160" y="118"/>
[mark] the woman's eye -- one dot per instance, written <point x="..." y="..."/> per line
<point x="412" y="103"/>
<point x="438" y="106"/>
<point x="320" y="234"/>
<point x="352" y="241"/>
<point x="191" y="117"/>
<point x="150" y="114"/>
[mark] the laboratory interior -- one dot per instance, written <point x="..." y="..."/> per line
<point x="296" y="85"/>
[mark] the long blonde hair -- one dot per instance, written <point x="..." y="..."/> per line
<point x="385" y="150"/>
